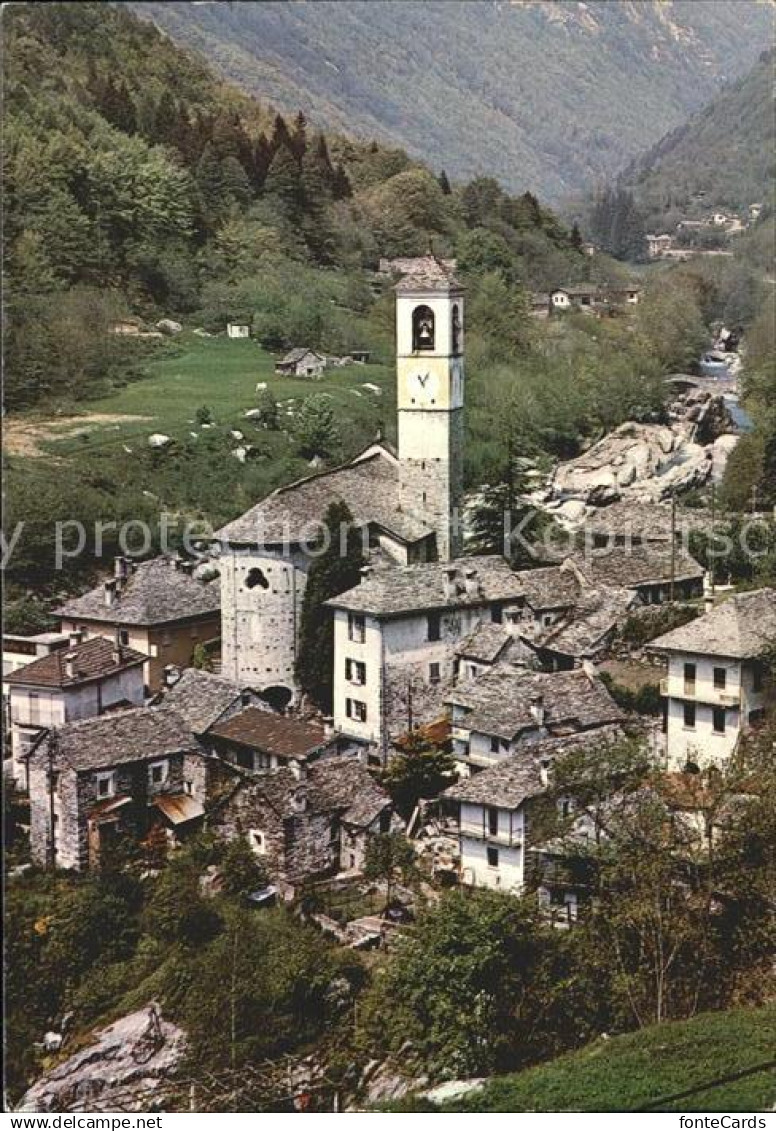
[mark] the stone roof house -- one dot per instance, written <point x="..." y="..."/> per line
<point x="651" y="569"/>
<point x="633" y="523"/>
<point x="494" y="811"/>
<point x="256" y="739"/>
<point x="396" y="635"/>
<point x="307" y="823"/>
<point x="302" y="362"/>
<point x="203" y="699"/>
<point x="506" y="709"/>
<point x="718" y="677"/>
<point x="97" y="781"/>
<point x="157" y="607"/>
<point x="86" y="679"/>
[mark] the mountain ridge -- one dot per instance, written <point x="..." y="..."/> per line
<point x="499" y="89"/>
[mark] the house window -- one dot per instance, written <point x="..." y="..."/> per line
<point x="355" y="709"/>
<point x="689" y="678"/>
<point x="689" y="716"/>
<point x="385" y="821"/>
<point x="718" y="720"/>
<point x="493" y="822"/>
<point x="158" y="772"/>
<point x="244" y="758"/>
<point x="720" y="678"/>
<point x="355" y="671"/>
<point x="493" y="858"/>
<point x="356" y="627"/>
<point x="188" y="787"/>
<point x="497" y="613"/>
<point x="33" y="701"/>
<point x="258" y="842"/>
<point x="106" y="784"/>
<point x="434" y="675"/>
<point x="547" y="619"/>
<point x="434" y="626"/>
<point x="123" y="636"/>
<point x="494" y="745"/>
<point x="757" y="678"/>
<point x="262" y="761"/>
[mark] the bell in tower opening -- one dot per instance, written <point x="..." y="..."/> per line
<point x="422" y="328"/>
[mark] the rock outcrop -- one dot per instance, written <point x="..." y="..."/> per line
<point x="122" y="1070"/>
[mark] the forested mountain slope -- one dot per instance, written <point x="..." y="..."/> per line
<point x="725" y="151"/>
<point x="546" y="96"/>
<point x="136" y="182"/>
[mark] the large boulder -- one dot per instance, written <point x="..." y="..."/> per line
<point x="123" y="1069"/>
<point x="167" y="326"/>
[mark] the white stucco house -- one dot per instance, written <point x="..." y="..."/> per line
<point x="396" y="637"/>
<point x="716" y="682"/>
<point x="80" y="682"/>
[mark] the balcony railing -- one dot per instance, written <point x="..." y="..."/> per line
<point x="699" y="692"/>
<point x="508" y="839"/>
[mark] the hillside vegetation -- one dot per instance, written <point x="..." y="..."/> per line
<point x="545" y="96"/>
<point x="725" y="152"/>
<point x="704" y="1064"/>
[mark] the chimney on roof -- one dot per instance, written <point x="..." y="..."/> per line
<point x="70" y="658"/>
<point x="708" y="592"/>
<point x="120" y="568"/>
<point x="544" y="771"/>
<point x="245" y="697"/>
<point x="328" y="727"/>
<point x="76" y="636"/>
<point x="590" y="670"/>
<point x="116" y="655"/>
<point x="171" y="675"/>
<point x="472" y="582"/>
<point x="110" y="593"/>
<point x="366" y="572"/>
<point x="175" y="561"/>
<point x="299" y="770"/>
<point x="537" y="709"/>
<point x="450" y="588"/>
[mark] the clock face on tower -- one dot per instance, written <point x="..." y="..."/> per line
<point x="423" y="387"/>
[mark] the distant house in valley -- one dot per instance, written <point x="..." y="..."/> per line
<point x="81" y="681"/>
<point x="127" y="327"/>
<point x="302" y="362"/>
<point x="658" y="245"/>
<point x="156" y="607"/>
<point x="540" y="305"/>
<point x="238" y="330"/>
<point x="308" y="821"/>
<point x="629" y="296"/>
<point x="651" y="569"/>
<point x="360" y="357"/>
<point x="582" y="297"/>
<point x="98" y="781"/>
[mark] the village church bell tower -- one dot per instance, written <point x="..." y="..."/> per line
<point x="430" y="397"/>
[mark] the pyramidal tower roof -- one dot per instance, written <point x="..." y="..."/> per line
<point x="428" y="273"/>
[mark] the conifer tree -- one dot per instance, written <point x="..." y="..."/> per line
<point x="576" y="237"/>
<point x="331" y="572"/>
<point x="341" y="187"/>
<point x="299" y="136"/>
<point x="283" y="182"/>
<point x="262" y="155"/>
<point x="280" y="134"/>
<point x="444" y="183"/>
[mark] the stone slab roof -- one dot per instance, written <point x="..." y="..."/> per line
<point x="428" y="273"/>
<point x="741" y="628"/>
<point x="136" y="735"/>
<point x="549" y="587"/>
<point x="282" y="735"/>
<point x="342" y="787"/>
<point x="500" y="702"/>
<point x="627" y="567"/>
<point x="201" y="698"/>
<point x="649" y="522"/>
<point x="433" y="585"/>
<point x="296" y="355"/>
<point x="369" y="486"/>
<point x="514" y="780"/>
<point x="155" y="592"/>
<point x="583" y="631"/>
<point x="92" y="660"/>
<point x="486" y="643"/>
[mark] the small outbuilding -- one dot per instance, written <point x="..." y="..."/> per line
<point x="302" y="362"/>
<point x="238" y="330"/>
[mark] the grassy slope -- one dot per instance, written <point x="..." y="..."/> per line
<point x="223" y="373"/>
<point x="638" y="1069"/>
